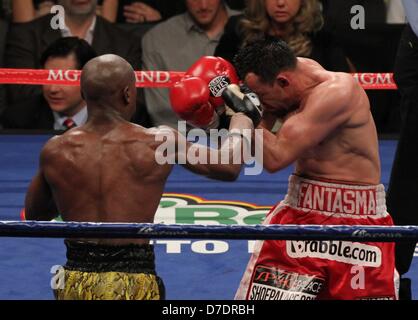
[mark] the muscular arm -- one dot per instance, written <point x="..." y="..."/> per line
<point x="39" y="202"/>
<point x="197" y="158"/>
<point x="323" y="112"/>
<point x="224" y="167"/>
<point x="268" y="121"/>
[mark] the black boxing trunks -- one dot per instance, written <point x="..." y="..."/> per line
<point x="307" y="270"/>
<point x="110" y="272"/>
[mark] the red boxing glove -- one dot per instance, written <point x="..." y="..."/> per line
<point x="217" y="73"/>
<point x="189" y="98"/>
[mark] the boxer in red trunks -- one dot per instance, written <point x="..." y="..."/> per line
<point x="327" y="130"/>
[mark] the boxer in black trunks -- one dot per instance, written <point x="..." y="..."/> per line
<point x="106" y="171"/>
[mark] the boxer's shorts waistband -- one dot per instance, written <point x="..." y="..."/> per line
<point x="334" y="198"/>
<point x="90" y="257"/>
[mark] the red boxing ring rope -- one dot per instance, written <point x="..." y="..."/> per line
<point x="154" y="79"/>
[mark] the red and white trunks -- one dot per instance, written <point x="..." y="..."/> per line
<point x="306" y="270"/>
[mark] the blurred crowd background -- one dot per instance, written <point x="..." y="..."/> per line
<point x="172" y="34"/>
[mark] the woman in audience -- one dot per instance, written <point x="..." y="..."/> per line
<point x="298" y="22"/>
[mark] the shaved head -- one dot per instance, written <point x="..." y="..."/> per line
<point x="108" y="80"/>
<point x="104" y="76"/>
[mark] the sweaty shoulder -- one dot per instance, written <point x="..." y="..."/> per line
<point x="137" y="136"/>
<point x="57" y="143"/>
<point x="338" y="88"/>
<point x="52" y="148"/>
<point x="345" y="80"/>
<point x="141" y="146"/>
<point x="159" y="130"/>
<point x="162" y="134"/>
<point x="330" y="101"/>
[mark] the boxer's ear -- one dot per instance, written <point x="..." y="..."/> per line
<point x="282" y="81"/>
<point x="126" y="95"/>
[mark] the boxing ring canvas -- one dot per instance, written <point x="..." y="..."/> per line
<point x="191" y="269"/>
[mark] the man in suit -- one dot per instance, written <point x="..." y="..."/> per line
<point x="57" y="107"/>
<point x="27" y="41"/>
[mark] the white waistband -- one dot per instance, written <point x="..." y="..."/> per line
<point x="336" y="199"/>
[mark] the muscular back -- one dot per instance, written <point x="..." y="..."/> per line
<point x="107" y="177"/>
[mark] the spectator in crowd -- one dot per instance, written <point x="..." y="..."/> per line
<point x="403" y="186"/>
<point x="145" y="11"/>
<point x="370" y="49"/>
<point x="120" y="11"/>
<point x="28" y="10"/>
<point x="58" y="107"/>
<point x="337" y="13"/>
<point x="27" y="41"/>
<point x="176" y="44"/>
<point x="297" y="22"/>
